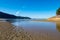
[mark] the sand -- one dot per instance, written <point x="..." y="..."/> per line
<point x="10" y="32"/>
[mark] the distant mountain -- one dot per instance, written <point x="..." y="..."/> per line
<point x="10" y="16"/>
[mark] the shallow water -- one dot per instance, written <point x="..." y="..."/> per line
<point x="41" y="30"/>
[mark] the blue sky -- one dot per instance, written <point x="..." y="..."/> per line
<point x="30" y="8"/>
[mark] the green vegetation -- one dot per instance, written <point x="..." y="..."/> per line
<point x="58" y="11"/>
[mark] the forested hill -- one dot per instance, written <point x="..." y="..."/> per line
<point x="10" y="16"/>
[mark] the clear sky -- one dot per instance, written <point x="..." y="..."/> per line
<point x="30" y="8"/>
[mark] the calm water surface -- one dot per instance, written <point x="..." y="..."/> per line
<point x="48" y="30"/>
<point x="37" y="26"/>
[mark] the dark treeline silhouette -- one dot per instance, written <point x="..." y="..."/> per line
<point x="10" y="16"/>
<point x="58" y="11"/>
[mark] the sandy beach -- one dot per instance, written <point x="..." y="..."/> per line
<point x="10" y="32"/>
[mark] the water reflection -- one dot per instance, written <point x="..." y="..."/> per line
<point x="40" y="30"/>
<point x="58" y="26"/>
<point x="28" y="24"/>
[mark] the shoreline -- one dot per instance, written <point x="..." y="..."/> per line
<point x="10" y="32"/>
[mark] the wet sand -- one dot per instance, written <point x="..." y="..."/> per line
<point x="44" y="35"/>
<point x="10" y="32"/>
<point x="42" y="31"/>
